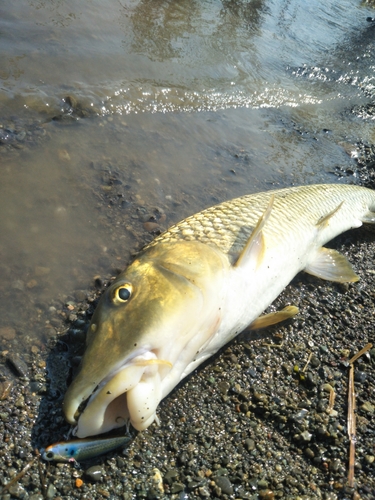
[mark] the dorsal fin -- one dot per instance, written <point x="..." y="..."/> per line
<point x="255" y="245"/>
<point x="323" y="221"/>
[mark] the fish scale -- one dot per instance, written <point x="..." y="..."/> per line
<point x="229" y="224"/>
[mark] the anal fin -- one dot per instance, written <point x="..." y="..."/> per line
<point x="273" y="318"/>
<point x="369" y="218"/>
<point x="331" y="265"/>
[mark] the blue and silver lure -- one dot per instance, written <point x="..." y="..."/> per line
<point x="83" y="449"/>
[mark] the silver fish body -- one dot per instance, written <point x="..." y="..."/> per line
<point x="83" y="449"/>
<point x="198" y="285"/>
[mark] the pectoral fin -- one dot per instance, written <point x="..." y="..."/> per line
<point x="331" y="265"/>
<point x="255" y="245"/>
<point x="273" y="318"/>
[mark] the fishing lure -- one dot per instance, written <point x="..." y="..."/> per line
<point x="78" y="450"/>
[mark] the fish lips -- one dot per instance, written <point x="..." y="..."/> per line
<point x="132" y="393"/>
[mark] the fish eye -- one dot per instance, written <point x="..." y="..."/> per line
<point x="50" y="455"/>
<point x="122" y="293"/>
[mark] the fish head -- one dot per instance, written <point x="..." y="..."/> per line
<point x="140" y="332"/>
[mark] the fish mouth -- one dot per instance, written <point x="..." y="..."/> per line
<point x="129" y="394"/>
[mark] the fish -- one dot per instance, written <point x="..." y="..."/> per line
<point x="197" y="286"/>
<point x="79" y="450"/>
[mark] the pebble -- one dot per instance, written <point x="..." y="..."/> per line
<point x="32" y="284"/>
<point x="368" y="407"/>
<point x="266" y="494"/>
<point x="18" y="365"/>
<point x="170" y="475"/>
<point x="204" y="492"/>
<point x="360" y="377"/>
<point x="306" y="436"/>
<point x="41" y="271"/>
<point x="177" y="487"/>
<point x="151" y="226"/>
<point x="223" y="387"/>
<point x="51" y="491"/>
<point x="157" y="480"/>
<point x="224" y="484"/>
<point x="17" y="491"/>
<point x="7" y="333"/>
<point x="95" y="473"/>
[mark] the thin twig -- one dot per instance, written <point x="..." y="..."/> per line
<point x="351" y="425"/>
<point x="42" y="476"/>
<point x="332" y="396"/>
<point x="307" y="362"/>
<point x="360" y="353"/>
<point x="352" y="432"/>
<point x="19" y="475"/>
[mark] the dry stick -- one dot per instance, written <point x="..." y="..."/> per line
<point x="19" y="475"/>
<point x="351" y="425"/>
<point x="351" y="414"/>
<point x="360" y="353"/>
<point x="42" y="476"/>
<point x="307" y="362"/>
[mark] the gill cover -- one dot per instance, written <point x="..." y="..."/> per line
<point x="147" y="328"/>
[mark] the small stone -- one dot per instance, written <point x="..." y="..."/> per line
<point x="95" y="473"/>
<point x="262" y="398"/>
<point x="204" y="492"/>
<point x="17" y="491"/>
<point x="314" y="362"/>
<point x="177" y="487"/>
<point x="51" y="491"/>
<point x="369" y="459"/>
<point x="63" y="155"/>
<point x="7" y="333"/>
<point x="151" y="226"/>
<point x="224" y="484"/>
<point x="249" y="444"/>
<point x="360" y="377"/>
<point x="306" y="436"/>
<point x="335" y="465"/>
<point x="266" y="494"/>
<point x="157" y="480"/>
<point x="288" y="370"/>
<point x="170" y="475"/>
<point x="18" y="285"/>
<point x="41" y="271"/>
<point x="32" y="284"/>
<point x="80" y="295"/>
<point x="262" y="484"/>
<point x="18" y="365"/>
<point x="223" y="388"/>
<point x="368" y="407"/>
<point x="20" y="402"/>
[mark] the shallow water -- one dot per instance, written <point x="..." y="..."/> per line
<point x="172" y="104"/>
